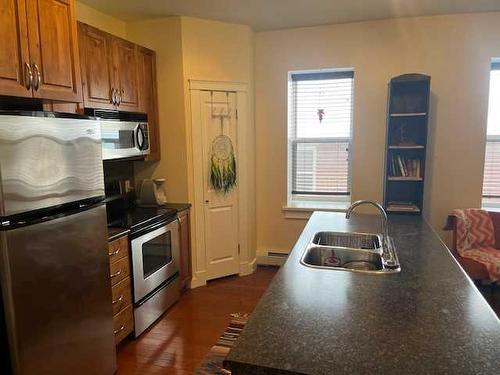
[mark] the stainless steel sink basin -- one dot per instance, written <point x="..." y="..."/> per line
<point x="354" y="252"/>
<point x="348" y="240"/>
<point x="340" y="257"/>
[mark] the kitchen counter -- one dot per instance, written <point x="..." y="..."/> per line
<point x="177" y="206"/>
<point x="430" y="318"/>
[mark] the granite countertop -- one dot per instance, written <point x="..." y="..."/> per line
<point x="177" y="206"/>
<point x="430" y="318"/>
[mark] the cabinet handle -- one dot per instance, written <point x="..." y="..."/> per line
<point x="38" y="77"/>
<point x="114" y="252"/>
<point x="28" y="79"/>
<point x="114" y="97"/>
<point x="119" y="299"/>
<point x="118" y="273"/>
<point x="120" y="93"/>
<point x="122" y="327"/>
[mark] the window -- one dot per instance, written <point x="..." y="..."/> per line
<point x="491" y="182"/>
<point x="319" y="136"/>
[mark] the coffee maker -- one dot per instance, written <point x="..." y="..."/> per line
<point x="153" y="192"/>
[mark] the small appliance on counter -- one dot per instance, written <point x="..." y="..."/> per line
<point x="153" y="192"/>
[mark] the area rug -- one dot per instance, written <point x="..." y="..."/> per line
<point x="212" y="364"/>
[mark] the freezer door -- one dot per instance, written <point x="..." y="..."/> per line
<point x="57" y="296"/>
<point x="48" y="161"/>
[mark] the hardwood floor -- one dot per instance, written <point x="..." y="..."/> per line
<point x="179" y="341"/>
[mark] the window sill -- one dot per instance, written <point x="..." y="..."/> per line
<point x="304" y="209"/>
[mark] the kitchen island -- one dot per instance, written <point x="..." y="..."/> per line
<point x="427" y="319"/>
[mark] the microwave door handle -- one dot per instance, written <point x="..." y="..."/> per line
<point x="139" y="133"/>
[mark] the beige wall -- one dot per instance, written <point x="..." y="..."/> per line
<point x="163" y="35"/>
<point x="455" y="50"/>
<point x="217" y="51"/>
<point x="102" y="21"/>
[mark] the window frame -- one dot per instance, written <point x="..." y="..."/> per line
<point x="321" y="201"/>
<point x="490" y="202"/>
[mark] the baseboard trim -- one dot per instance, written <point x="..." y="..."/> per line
<point x="198" y="279"/>
<point x="247" y="268"/>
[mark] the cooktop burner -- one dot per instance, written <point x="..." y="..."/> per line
<point x="138" y="217"/>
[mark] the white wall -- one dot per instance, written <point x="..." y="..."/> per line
<point x="454" y="50"/>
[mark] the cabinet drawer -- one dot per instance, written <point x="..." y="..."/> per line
<point x="123" y="324"/>
<point x="122" y="296"/>
<point x="118" y="249"/>
<point x="119" y="271"/>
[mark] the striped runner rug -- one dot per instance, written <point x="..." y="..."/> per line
<point x="212" y="364"/>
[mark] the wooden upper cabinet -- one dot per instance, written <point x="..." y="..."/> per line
<point x="125" y="72"/>
<point x="97" y="69"/>
<point x="148" y="99"/>
<point x="109" y="70"/>
<point x="54" y="49"/>
<point x="39" y="50"/>
<point x="118" y="74"/>
<point x="14" y="54"/>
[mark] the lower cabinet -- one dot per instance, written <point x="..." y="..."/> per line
<point x="119" y="264"/>
<point x="185" y="251"/>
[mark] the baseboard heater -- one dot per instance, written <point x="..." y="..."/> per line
<point x="272" y="259"/>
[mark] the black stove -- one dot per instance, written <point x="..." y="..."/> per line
<point x="138" y="218"/>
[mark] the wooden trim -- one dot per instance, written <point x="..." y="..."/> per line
<point x="217" y="86"/>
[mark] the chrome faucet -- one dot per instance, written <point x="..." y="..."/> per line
<point x="383" y="214"/>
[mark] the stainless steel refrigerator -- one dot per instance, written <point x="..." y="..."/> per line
<point x="55" y="311"/>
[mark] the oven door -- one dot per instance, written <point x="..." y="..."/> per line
<point x="123" y="139"/>
<point x="155" y="258"/>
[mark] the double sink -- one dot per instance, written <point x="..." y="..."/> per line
<point x="355" y="252"/>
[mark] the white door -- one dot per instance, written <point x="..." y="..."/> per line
<point x="220" y="209"/>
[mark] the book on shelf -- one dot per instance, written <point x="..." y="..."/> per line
<point x="401" y="166"/>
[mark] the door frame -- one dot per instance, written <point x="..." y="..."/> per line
<point x="246" y="212"/>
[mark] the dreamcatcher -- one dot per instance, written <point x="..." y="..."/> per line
<point x="222" y="158"/>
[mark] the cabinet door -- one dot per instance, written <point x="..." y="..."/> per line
<point x="54" y="50"/>
<point x="185" y="261"/>
<point x="125" y="72"/>
<point x="14" y="57"/>
<point x="148" y="98"/>
<point x="97" y="69"/>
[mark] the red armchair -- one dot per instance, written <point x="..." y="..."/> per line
<point x="476" y="271"/>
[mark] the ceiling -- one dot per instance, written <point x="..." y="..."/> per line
<point x="281" y="14"/>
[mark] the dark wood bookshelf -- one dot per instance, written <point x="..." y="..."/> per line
<point x="406" y="143"/>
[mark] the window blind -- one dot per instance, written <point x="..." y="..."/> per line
<point x="491" y="182"/>
<point x="320" y="119"/>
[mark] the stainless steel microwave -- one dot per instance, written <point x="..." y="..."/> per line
<point x="124" y="135"/>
